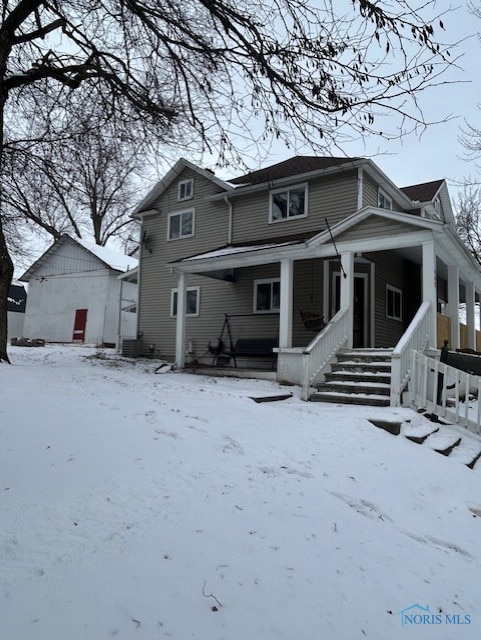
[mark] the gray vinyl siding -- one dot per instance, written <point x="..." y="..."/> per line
<point x="156" y="282"/>
<point x="373" y="227"/>
<point x="370" y="190"/>
<point x="211" y="221"/>
<point x="308" y="296"/>
<point x="389" y="269"/>
<point x="216" y="299"/>
<point x="333" y="198"/>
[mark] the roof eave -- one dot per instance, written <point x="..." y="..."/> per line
<point x="299" y="177"/>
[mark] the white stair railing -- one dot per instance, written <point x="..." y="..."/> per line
<point x="444" y="390"/>
<point x="322" y="349"/>
<point x="416" y="338"/>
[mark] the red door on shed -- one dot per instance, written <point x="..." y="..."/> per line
<point x="79" y="325"/>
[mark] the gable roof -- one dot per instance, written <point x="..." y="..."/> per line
<point x="113" y="260"/>
<point x="423" y="192"/>
<point x="144" y="206"/>
<point x="291" y="167"/>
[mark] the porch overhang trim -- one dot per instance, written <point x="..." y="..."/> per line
<point x="458" y="254"/>
<point x="318" y="247"/>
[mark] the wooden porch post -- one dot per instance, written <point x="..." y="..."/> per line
<point x="470" y="314"/>
<point x="180" y="327"/>
<point x="285" y="316"/>
<point x="347" y="291"/>
<point x="429" y="287"/>
<point x="453" y="304"/>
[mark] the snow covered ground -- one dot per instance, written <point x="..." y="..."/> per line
<point x="142" y="506"/>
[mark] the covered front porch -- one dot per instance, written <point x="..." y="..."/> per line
<point x="378" y="280"/>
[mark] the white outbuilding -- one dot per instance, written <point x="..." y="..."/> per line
<point x="77" y="293"/>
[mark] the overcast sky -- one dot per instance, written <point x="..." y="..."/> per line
<point x="437" y="153"/>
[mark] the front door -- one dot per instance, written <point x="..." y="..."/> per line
<point x="360" y="319"/>
<point x="79" y="325"/>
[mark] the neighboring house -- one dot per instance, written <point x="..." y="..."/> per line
<point x="16" y="302"/>
<point x="330" y="236"/>
<point x="75" y="294"/>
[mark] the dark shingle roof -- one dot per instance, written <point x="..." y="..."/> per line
<point x="424" y="191"/>
<point x="292" y="167"/>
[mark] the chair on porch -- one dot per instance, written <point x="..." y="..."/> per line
<point x="312" y="321"/>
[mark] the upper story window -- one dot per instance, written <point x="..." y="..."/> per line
<point x="267" y="295"/>
<point x="181" y="224"/>
<point x="437" y="204"/>
<point x="185" y="189"/>
<point x="383" y="200"/>
<point x="288" y="203"/>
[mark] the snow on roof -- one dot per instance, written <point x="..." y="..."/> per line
<point x="227" y="251"/>
<point x="114" y="259"/>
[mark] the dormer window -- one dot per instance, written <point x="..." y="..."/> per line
<point x="185" y="190"/>
<point x="383" y="200"/>
<point x="288" y="203"/>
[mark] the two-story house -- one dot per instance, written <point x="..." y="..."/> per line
<point x="307" y="238"/>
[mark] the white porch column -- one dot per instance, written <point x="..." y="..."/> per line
<point x="285" y="316"/>
<point x="347" y="290"/>
<point x="180" y="327"/>
<point x="470" y="314"/>
<point x="453" y="304"/>
<point x="429" y="287"/>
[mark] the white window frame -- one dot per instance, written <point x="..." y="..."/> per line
<point x="270" y="281"/>
<point x="174" y="292"/>
<point x="293" y="187"/>
<point x="394" y="290"/>
<point x="173" y="214"/>
<point x="183" y="183"/>
<point x="382" y="194"/>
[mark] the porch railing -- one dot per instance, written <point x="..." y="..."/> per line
<point x="431" y="384"/>
<point x="318" y="354"/>
<point x="416" y="338"/>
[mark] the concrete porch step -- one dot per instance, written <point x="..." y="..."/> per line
<point x="378" y="388"/>
<point x="361" y="366"/>
<point x="363" y="377"/>
<point x="360" y="376"/>
<point x="465" y="449"/>
<point x="373" y="400"/>
<point x="364" y="355"/>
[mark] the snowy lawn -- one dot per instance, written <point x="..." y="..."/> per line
<point x="142" y="506"/>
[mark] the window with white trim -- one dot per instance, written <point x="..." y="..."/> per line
<point x="192" y="299"/>
<point x="181" y="224"/>
<point x="393" y="303"/>
<point x="185" y="189"/>
<point x="267" y="295"/>
<point x="288" y="203"/>
<point x="383" y="200"/>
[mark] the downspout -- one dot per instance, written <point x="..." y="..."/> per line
<point x="360" y="184"/>
<point x="231" y="219"/>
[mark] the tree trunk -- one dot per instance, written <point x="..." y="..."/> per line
<point x="6" y="264"/>
<point x="6" y="275"/>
